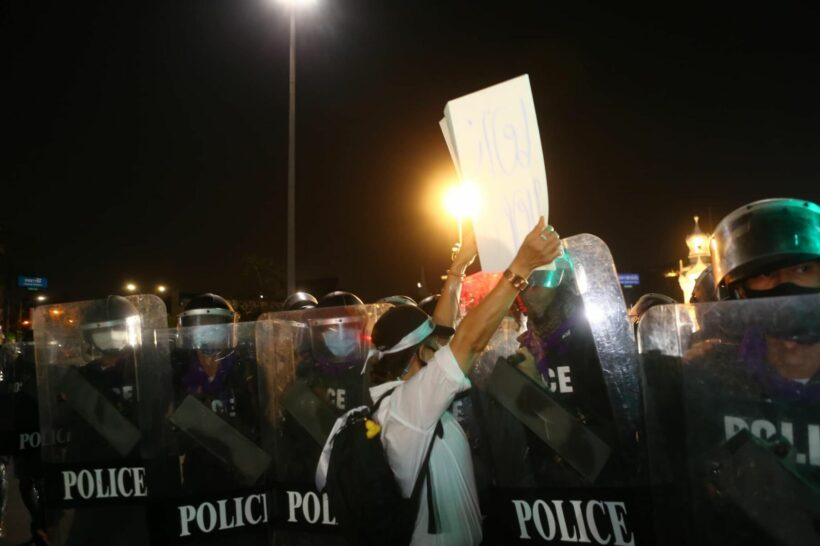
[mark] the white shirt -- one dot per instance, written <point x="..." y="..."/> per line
<point x="408" y="418"/>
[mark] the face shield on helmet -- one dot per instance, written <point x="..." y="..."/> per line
<point x="552" y="278"/>
<point x="210" y="331"/>
<point x="110" y="338"/>
<point x="338" y="340"/>
<point x="545" y="285"/>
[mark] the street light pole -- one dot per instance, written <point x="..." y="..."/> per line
<point x="291" y="257"/>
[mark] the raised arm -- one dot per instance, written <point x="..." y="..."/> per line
<point x="447" y="307"/>
<point x="540" y="247"/>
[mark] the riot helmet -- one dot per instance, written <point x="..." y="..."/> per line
<point x="762" y="238"/>
<point x="645" y="303"/>
<point x="298" y="301"/>
<point x="704" y="290"/>
<point x="207" y="324"/>
<point x="109" y="326"/>
<point x="339" y="299"/>
<point x="398" y="300"/>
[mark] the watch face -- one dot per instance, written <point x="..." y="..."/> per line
<point x="518" y="282"/>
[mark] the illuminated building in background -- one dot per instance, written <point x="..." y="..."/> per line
<point x="699" y="259"/>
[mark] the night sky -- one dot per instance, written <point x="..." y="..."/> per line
<point x="147" y="141"/>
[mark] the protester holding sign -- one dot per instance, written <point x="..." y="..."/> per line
<point x="417" y="402"/>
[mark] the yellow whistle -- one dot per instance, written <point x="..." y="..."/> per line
<point x="372" y="427"/>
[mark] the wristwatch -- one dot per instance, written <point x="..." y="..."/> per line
<point x="518" y="282"/>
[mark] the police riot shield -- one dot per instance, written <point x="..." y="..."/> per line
<point x="210" y="487"/>
<point x="555" y="417"/>
<point x="311" y="364"/>
<point x="96" y="383"/>
<point x="20" y="437"/>
<point x="19" y="426"/>
<point x="732" y="398"/>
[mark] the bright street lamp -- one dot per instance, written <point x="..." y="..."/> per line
<point x="462" y="201"/>
<point x="131" y="287"/>
<point x="161" y="289"/>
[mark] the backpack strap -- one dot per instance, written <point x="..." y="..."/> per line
<point x="424" y="474"/>
<point x="379" y="401"/>
<point x="432" y="527"/>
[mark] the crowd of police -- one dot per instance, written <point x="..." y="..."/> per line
<point x="587" y="422"/>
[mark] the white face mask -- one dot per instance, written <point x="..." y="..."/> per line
<point x="340" y="341"/>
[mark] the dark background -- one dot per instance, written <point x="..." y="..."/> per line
<point x="147" y="141"/>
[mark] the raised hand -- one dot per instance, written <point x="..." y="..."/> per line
<point x="540" y="247"/>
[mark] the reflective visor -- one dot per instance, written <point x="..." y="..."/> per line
<point x="338" y="340"/>
<point x="205" y="317"/>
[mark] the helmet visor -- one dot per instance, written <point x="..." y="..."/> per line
<point x="210" y="338"/>
<point x="113" y="336"/>
<point x="338" y="340"/>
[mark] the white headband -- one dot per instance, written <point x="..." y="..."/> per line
<point x="415" y="337"/>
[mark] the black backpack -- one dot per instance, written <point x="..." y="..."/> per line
<point x="363" y="492"/>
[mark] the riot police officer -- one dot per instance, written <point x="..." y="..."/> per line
<point x="98" y="405"/>
<point x="559" y="353"/>
<point x="111" y="330"/>
<point x="210" y="366"/>
<point x="750" y="381"/>
<point x="772" y="248"/>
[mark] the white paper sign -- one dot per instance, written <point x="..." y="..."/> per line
<point x="493" y="137"/>
<point x="445" y="130"/>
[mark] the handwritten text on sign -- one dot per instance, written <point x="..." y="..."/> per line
<point x="494" y="140"/>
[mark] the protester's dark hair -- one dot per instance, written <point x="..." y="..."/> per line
<point x="391" y="329"/>
<point x="391" y="366"/>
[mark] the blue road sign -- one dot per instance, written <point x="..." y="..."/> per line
<point x="32" y="282"/>
<point x="629" y="279"/>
